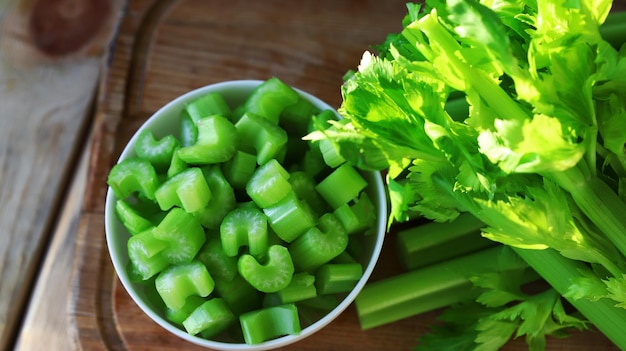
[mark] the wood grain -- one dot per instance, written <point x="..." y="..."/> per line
<point x="166" y="48"/>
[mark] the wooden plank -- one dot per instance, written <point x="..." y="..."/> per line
<point x="47" y="90"/>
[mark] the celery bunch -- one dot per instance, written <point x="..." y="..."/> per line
<point x="513" y="111"/>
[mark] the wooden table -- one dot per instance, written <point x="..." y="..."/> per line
<point x="68" y="106"/>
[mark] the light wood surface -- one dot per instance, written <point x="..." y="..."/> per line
<point x="57" y="287"/>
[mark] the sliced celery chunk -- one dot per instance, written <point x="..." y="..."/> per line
<point x="208" y="105"/>
<point x="272" y="275"/>
<point x="269" y="323"/>
<point x="183" y="233"/>
<point x="301" y="287"/>
<point x="319" y="244"/>
<point x="290" y="217"/>
<point x="341" y="186"/>
<point x="210" y="318"/>
<point x="222" y="201"/>
<point x="270" y="98"/>
<point x="145" y="253"/>
<point x="218" y="263"/>
<point x="133" y="175"/>
<point x="238" y="294"/>
<point x="132" y="220"/>
<point x="217" y="142"/>
<point x="239" y="169"/>
<point x="244" y="226"/>
<point x="269" y="184"/>
<point x="156" y="151"/>
<point x="258" y="135"/>
<point x="337" y="278"/>
<point x="176" y="283"/>
<point x="188" y="190"/>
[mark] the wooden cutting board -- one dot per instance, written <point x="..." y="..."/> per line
<point x="165" y="48"/>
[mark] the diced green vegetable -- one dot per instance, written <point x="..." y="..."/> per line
<point x="176" y="283"/>
<point x="210" y="318"/>
<point x="207" y="105"/>
<point x="188" y="129"/>
<point x="290" y="217"/>
<point x="131" y="218"/>
<point x="239" y="169"/>
<point x="183" y="233"/>
<point x="238" y="294"/>
<point x="244" y="226"/>
<point x="177" y="165"/>
<point x="357" y="217"/>
<point x="341" y="186"/>
<point x="319" y="244"/>
<point x="218" y="263"/>
<point x="178" y="316"/>
<point x="217" y="142"/>
<point x="337" y="278"/>
<point x="303" y="185"/>
<point x="270" y="323"/>
<point x="222" y="200"/>
<point x="133" y="175"/>
<point x="273" y="274"/>
<point x="157" y="152"/>
<point x="301" y="287"/>
<point x="260" y="136"/>
<point x="270" y="98"/>
<point x="146" y="254"/>
<point x="269" y="184"/>
<point x="187" y="189"/>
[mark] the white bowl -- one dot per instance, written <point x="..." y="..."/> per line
<point x="164" y="122"/>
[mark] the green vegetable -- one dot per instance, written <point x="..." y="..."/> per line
<point x="513" y="112"/>
<point x="270" y="276"/>
<point x="244" y="226"/>
<point x="301" y="287"/>
<point x="187" y="189"/>
<point x="216" y="142"/>
<point x="131" y="218"/>
<point x="157" y="152"/>
<point x="183" y="234"/>
<point x="176" y="283"/>
<point x="146" y="254"/>
<point x="290" y="217"/>
<point x="261" y="137"/>
<point x="210" y="318"/>
<point x="319" y="244"/>
<point x="341" y="186"/>
<point x="269" y="323"/>
<point x="133" y="176"/>
<point x="270" y="99"/>
<point x="335" y="278"/>
<point x="269" y="184"/>
<point x="210" y="104"/>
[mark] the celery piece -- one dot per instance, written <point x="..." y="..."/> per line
<point x="301" y="287"/>
<point x="270" y="98"/>
<point x="176" y="166"/>
<point x="295" y="119"/>
<point x="303" y="184"/>
<point x="183" y="233"/>
<point x="176" y="283"/>
<point x="357" y="217"/>
<point x="333" y="278"/>
<point x="188" y="189"/>
<point x="244" y="227"/>
<point x="319" y="244"/>
<point x="217" y="142"/>
<point x="133" y="175"/>
<point x="188" y="129"/>
<point x="429" y="288"/>
<point x="146" y="256"/>
<point x="218" y="263"/>
<point x="207" y="105"/>
<point x="238" y="294"/>
<point x="270" y="323"/>
<point x="312" y="162"/>
<point x="132" y="220"/>
<point x="272" y="275"/>
<point x="330" y="154"/>
<point x="178" y="316"/>
<point x="210" y="318"/>
<point x="269" y="184"/>
<point x="222" y="201"/>
<point x="344" y="257"/>
<point x="290" y="217"/>
<point x="157" y="151"/>
<point x="239" y="169"/>
<point x="341" y="186"/>
<point x="433" y="242"/>
<point x="320" y="302"/>
<point x="260" y="136"/>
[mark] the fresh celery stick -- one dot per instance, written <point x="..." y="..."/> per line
<point x="260" y="136"/>
<point x="145" y="253"/>
<point x="177" y="165"/>
<point x="319" y="244"/>
<point x="208" y="105"/>
<point x="290" y="217"/>
<point x="133" y="175"/>
<point x="176" y="283"/>
<point x="270" y="98"/>
<point x="157" y="151"/>
<point x="433" y="242"/>
<point x="269" y="323"/>
<point x="269" y="184"/>
<point x="217" y="142"/>
<point x="183" y="233"/>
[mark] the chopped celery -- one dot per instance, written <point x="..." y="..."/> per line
<point x="210" y="318"/>
<point x="341" y="186"/>
<point x="295" y="119"/>
<point x="357" y="217"/>
<point x="270" y="98"/>
<point x="222" y="201"/>
<point x="269" y="184"/>
<point x="272" y="275"/>
<point x="130" y="218"/>
<point x="176" y="283"/>
<point x="238" y="294"/>
<point x="269" y="323"/>
<point x="301" y="287"/>
<point x="303" y="184"/>
<point x="260" y="136"/>
<point x="404" y="295"/>
<point x="434" y="242"/>
<point x="319" y="244"/>
<point x="188" y="129"/>
<point x="337" y="278"/>
<point x="176" y="166"/>
<point x="188" y="189"/>
<point x="178" y="316"/>
<point x="207" y="105"/>
<point x="217" y="142"/>
<point x="218" y="263"/>
<point x="133" y="175"/>
<point x="157" y="152"/>
<point x="290" y="217"/>
<point x="244" y="226"/>
<point x="146" y="254"/>
<point x="239" y="169"/>
<point x="183" y="233"/>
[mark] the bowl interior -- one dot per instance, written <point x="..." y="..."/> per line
<point x="164" y="122"/>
